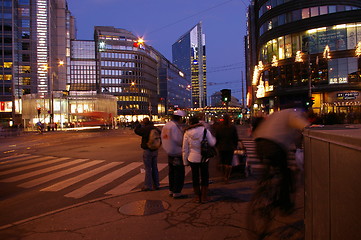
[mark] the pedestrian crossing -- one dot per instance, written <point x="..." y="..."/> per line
<point x="253" y="161"/>
<point x="76" y="178"/>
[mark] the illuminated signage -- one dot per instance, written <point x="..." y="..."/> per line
<point x="347" y="95"/>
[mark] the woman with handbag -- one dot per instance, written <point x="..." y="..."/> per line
<point x="192" y="156"/>
<point x="227" y="142"/>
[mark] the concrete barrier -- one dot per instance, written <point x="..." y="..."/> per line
<point x="333" y="183"/>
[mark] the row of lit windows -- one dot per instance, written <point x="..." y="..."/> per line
<point x="132" y="99"/>
<point x="80" y="80"/>
<point x="117" y="47"/>
<point x="82" y="64"/>
<point x="302" y="14"/>
<point x="84" y="71"/>
<point x="273" y="3"/>
<point x="120" y="64"/>
<point x="117" y="81"/>
<point x="6" y="65"/>
<point x="334" y="71"/>
<point x="25" y="80"/>
<point x="83" y="76"/>
<point x="338" y="37"/>
<point x="6" y="77"/>
<point x="120" y="55"/>
<point x="115" y="38"/>
<point x="120" y="72"/>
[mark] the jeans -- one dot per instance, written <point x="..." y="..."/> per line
<point x="151" y="169"/>
<point x="200" y="170"/>
<point x="176" y="173"/>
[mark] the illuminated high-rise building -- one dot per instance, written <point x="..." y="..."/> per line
<point x="127" y="69"/>
<point x="35" y="51"/>
<point x="189" y="54"/>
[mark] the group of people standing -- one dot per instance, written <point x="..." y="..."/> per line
<point x="182" y="143"/>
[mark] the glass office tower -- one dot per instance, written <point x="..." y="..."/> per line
<point x="189" y="54"/>
<point x="35" y="45"/>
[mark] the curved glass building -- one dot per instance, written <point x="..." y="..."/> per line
<point x="305" y="52"/>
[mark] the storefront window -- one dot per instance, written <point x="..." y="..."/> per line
<point x="288" y="46"/>
<point x="351" y="36"/>
<point x="281" y="48"/>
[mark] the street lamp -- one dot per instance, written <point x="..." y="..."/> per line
<point x="60" y="63"/>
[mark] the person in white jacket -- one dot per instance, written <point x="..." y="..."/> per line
<point x="191" y="152"/>
<point x="172" y="139"/>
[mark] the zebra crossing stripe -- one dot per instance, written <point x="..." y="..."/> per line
<point x="165" y="180"/>
<point x="91" y="187"/>
<point x="13" y="156"/>
<point x="131" y="183"/>
<point x="42" y="171"/>
<point x="71" y="181"/>
<point x="33" y="165"/>
<point x="13" y="161"/>
<point x="59" y="174"/>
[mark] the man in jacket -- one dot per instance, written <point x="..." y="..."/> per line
<point x="150" y="157"/>
<point x="172" y="138"/>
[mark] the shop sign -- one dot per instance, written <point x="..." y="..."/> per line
<point x="6" y="106"/>
<point x="347" y="95"/>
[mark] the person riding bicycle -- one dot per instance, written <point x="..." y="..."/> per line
<point x="274" y="137"/>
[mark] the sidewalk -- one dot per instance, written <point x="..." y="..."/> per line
<point x="154" y="215"/>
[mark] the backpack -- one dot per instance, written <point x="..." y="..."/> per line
<point x="206" y="150"/>
<point x="154" y="141"/>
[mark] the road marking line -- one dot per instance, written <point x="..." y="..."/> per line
<point x="33" y="165"/>
<point x="132" y="183"/>
<point x="91" y="187"/>
<point x="71" y="181"/>
<point x="59" y="174"/>
<point x="45" y="170"/>
<point x="13" y="156"/>
<point x="17" y="162"/>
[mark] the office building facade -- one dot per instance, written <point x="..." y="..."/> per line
<point x="174" y="87"/>
<point x="35" y="49"/>
<point x="189" y="54"/>
<point x="127" y="69"/>
<point x="303" y="50"/>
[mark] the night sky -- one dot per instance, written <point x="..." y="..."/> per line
<point x="162" y="22"/>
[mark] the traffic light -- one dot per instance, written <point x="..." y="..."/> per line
<point x="312" y="101"/>
<point x="226" y="95"/>
<point x="39" y="111"/>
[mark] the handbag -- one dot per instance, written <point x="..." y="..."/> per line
<point x="206" y="150"/>
<point x="239" y="156"/>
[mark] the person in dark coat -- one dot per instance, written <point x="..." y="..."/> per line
<point x="227" y="141"/>
<point x="150" y="157"/>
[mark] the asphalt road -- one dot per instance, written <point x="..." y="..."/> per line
<point x="19" y="201"/>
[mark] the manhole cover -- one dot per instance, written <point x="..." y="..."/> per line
<point x="144" y="207"/>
